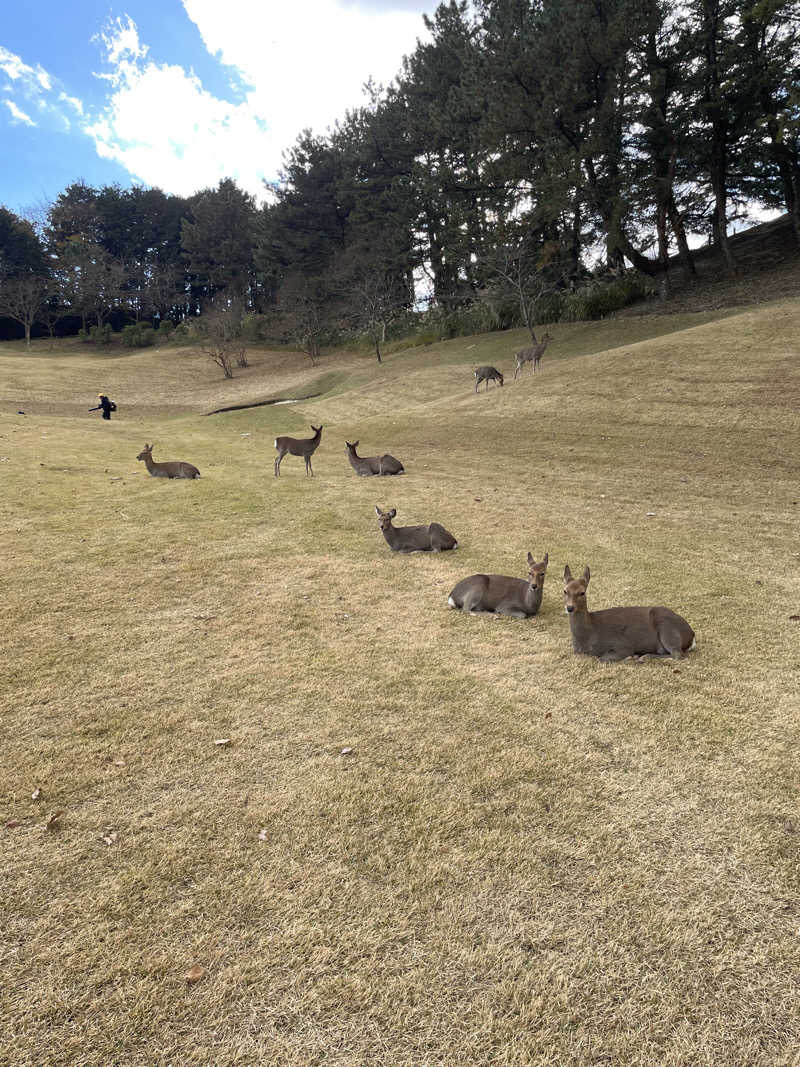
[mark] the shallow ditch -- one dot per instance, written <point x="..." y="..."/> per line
<point x="263" y="403"/>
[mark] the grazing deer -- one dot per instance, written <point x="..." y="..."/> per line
<point x="433" y="538"/>
<point x="298" y="446"/>
<point x="504" y="596"/>
<point x="533" y="355"/>
<point x="171" y="469"/>
<point x="617" y="633"/>
<point x="385" y="464"/>
<point x="487" y="374"/>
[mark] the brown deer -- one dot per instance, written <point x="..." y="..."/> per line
<point x="298" y="446"/>
<point x="504" y="596"/>
<point x="533" y="354"/>
<point x="433" y="538"/>
<point x="171" y="469"/>
<point x="487" y="374"/>
<point x="618" y="633"/>
<point x="364" y="465"/>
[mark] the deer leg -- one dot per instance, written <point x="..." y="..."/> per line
<point x="278" y="459"/>
<point x="309" y="468"/>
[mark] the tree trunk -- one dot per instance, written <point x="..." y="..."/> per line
<point x="685" y="253"/>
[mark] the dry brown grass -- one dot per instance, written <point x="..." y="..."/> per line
<point x="528" y="857"/>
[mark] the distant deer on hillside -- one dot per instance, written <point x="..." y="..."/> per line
<point x="504" y="596"/>
<point x="487" y="374"/>
<point x="532" y="354"/>
<point x="433" y="538"/>
<point x="617" y="633"/>
<point x="365" y="465"/>
<point x="170" y="469"/>
<point x="298" y="446"/>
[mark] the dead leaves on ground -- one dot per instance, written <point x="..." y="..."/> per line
<point x="195" y="973"/>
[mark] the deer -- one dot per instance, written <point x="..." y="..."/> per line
<point x="619" y="633"/>
<point x="171" y="469"/>
<point x="517" y="597"/>
<point x="365" y="465"/>
<point x="433" y="538"/>
<point x="533" y="355"/>
<point x="487" y="374"/>
<point x="298" y="446"/>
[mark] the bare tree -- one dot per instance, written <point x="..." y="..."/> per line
<point x="22" y="297"/>
<point x="302" y="311"/>
<point x="526" y="271"/>
<point x="222" y="341"/>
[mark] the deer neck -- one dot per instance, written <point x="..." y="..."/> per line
<point x="581" y="627"/>
<point x="533" y="595"/>
<point x="149" y="462"/>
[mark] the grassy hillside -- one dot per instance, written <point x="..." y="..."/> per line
<point x="527" y="857"/>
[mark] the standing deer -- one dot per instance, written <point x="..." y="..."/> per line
<point x="487" y="374"/>
<point x="504" y="596"/>
<point x="617" y="633"/>
<point x="298" y="446"/>
<point x="533" y="354"/>
<point x="171" y="469"/>
<point x="385" y="464"/>
<point x="433" y="538"/>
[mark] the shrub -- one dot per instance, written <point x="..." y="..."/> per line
<point x="138" y="335"/>
<point x="165" y="329"/>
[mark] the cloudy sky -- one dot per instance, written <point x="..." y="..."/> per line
<point x="180" y="93"/>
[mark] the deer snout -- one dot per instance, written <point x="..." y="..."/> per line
<point x="570" y="608"/>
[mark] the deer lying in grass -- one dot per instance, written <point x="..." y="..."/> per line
<point x="504" y="596"/>
<point x="487" y="374"/>
<point x="533" y="355"/>
<point x="171" y="469"/>
<point x="385" y="464"/>
<point x="618" y="633"/>
<point x="298" y="446"/>
<point x="433" y="538"/>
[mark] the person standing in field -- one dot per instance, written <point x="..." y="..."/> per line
<point x="107" y="405"/>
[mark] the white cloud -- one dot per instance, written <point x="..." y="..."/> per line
<point x="301" y="64"/>
<point x="18" y="114"/>
<point x="73" y="102"/>
<point x="31" y="78"/>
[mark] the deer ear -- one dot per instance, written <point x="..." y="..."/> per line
<point x="586" y="576"/>
<point x="355" y="444"/>
<point x="392" y="513"/>
<point x="531" y="560"/>
<point x="546" y="559"/>
<point x="567" y="574"/>
<point x="378" y="511"/>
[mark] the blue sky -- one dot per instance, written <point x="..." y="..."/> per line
<point x="180" y="94"/>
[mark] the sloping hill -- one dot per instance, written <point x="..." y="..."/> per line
<point x="428" y="837"/>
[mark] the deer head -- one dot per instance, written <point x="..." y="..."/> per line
<point x="575" y="591"/>
<point x="536" y="571"/>
<point x="385" y="517"/>
<point x="146" y="451"/>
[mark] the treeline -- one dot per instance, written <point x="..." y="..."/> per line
<point x="525" y="143"/>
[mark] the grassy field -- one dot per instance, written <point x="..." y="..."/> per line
<point x="526" y="856"/>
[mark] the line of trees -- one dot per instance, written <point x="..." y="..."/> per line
<point x="521" y="143"/>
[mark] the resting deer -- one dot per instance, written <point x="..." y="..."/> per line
<point x="504" y="596"/>
<point x="171" y="469"/>
<point x="617" y="633"/>
<point x="533" y="355"/>
<point x="433" y="538"/>
<point x="298" y="446"/>
<point x="385" y="464"/>
<point x="487" y="374"/>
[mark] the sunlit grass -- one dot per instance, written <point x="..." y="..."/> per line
<point x="528" y="857"/>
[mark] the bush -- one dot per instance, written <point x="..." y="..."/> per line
<point x="165" y="329"/>
<point x="138" y="335"/>
<point x="97" y="335"/>
<point x="603" y="298"/>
